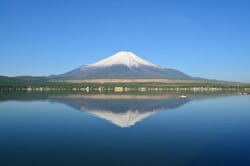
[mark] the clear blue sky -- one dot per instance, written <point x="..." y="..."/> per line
<point x="206" y="38"/>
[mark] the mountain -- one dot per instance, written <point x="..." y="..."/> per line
<point x="123" y="65"/>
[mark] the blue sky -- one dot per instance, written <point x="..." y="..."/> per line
<point x="206" y="38"/>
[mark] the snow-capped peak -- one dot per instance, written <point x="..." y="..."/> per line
<point x="123" y="58"/>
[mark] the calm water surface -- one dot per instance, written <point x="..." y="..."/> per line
<point x="124" y="130"/>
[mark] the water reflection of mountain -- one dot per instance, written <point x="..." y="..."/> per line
<point x="123" y="111"/>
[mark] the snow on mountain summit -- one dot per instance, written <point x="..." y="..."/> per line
<point x="123" y="65"/>
<point x="123" y="58"/>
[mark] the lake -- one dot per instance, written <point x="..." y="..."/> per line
<point x="98" y="129"/>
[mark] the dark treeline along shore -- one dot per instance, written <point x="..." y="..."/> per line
<point x="45" y="84"/>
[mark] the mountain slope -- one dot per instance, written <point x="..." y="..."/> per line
<point x="123" y="65"/>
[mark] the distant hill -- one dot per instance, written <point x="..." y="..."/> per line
<point x="22" y="80"/>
